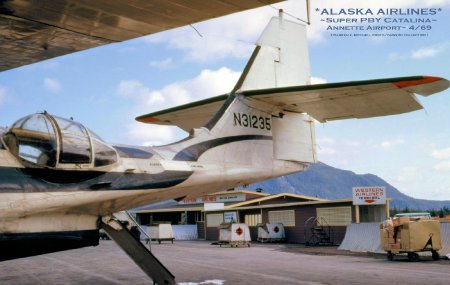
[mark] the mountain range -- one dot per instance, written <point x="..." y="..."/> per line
<point x="323" y="181"/>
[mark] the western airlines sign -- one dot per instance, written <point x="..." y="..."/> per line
<point x="369" y="195"/>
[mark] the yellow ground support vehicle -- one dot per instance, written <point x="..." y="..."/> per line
<point x="410" y="235"/>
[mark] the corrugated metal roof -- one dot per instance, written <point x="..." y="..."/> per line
<point x="271" y="197"/>
<point x="240" y="192"/>
<point x="240" y="205"/>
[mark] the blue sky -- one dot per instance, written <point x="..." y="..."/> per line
<point x="105" y="88"/>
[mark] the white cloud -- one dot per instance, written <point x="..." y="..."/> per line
<point x="52" y="85"/>
<point x="2" y="95"/>
<point x="441" y="153"/>
<point x="326" y="140"/>
<point x="135" y="89"/>
<point x="436" y="3"/>
<point x="393" y="56"/>
<point x="163" y="64"/>
<point x="409" y="174"/>
<point x="325" y="150"/>
<point x="150" y="135"/>
<point x="442" y="166"/>
<point x="336" y="151"/>
<point x="352" y="143"/>
<point x="207" y="84"/>
<point x="430" y="51"/>
<point x="326" y="146"/>
<point x="389" y="144"/>
<point x="234" y="35"/>
<point x="318" y="80"/>
<point x="231" y="36"/>
<point x="423" y="52"/>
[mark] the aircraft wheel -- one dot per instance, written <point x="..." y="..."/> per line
<point x="435" y="255"/>
<point x="390" y="256"/>
<point x="413" y="257"/>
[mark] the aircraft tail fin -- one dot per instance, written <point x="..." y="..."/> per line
<point x="262" y="132"/>
<point x="274" y="101"/>
<point x="280" y="58"/>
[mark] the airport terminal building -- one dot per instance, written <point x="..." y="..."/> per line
<point x="300" y="215"/>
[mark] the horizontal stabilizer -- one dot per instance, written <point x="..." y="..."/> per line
<point x="357" y="99"/>
<point x="188" y="116"/>
<point x="324" y="102"/>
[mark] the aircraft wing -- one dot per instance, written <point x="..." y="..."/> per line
<point x="324" y="102"/>
<point x="35" y="30"/>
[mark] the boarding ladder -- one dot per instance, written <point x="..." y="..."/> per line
<point x="318" y="232"/>
<point x="136" y="250"/>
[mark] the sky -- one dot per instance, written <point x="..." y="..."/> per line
<point x="105" y="88"/>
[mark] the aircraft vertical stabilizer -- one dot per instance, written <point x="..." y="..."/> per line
<point x="280" y="58"/>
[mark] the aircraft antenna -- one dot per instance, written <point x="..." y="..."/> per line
<point x="198" y="33"/>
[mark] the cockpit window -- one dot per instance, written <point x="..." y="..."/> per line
<point x="104" y="155"/>
<point x="95" y="136"/>
<point x="76" y="146"/>
<point x="43" y="140"/>
<point x="38" y="123"/>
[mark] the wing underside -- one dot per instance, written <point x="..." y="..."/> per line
<point x="324" y="102"/>
<point x="35" y="30"/>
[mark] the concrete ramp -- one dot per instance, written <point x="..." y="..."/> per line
<point x="365" y="237"/>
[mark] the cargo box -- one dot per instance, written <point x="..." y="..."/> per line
<point x="161" y="232"/>
<point x="417" y="234"/>
<point x="234" y="234"/>
<point x="413" y="236"/>
<point x="270" y="232"/>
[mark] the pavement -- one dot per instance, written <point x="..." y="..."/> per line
<point x="200" y="263"/>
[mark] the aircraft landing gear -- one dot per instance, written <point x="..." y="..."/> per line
<point x="137" y="251"/>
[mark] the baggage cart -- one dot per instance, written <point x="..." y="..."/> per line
<point x="410" y="235"/>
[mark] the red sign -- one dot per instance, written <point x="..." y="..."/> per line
<point x="239" y="231"/>
<point x="232" y="197"/>
<point x="276" y="229"/>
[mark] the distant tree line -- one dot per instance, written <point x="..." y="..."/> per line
<point x="442" y="212"/>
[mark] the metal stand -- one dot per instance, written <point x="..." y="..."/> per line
<point x="320" y="232"/>
<point x="138" y="252"/>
